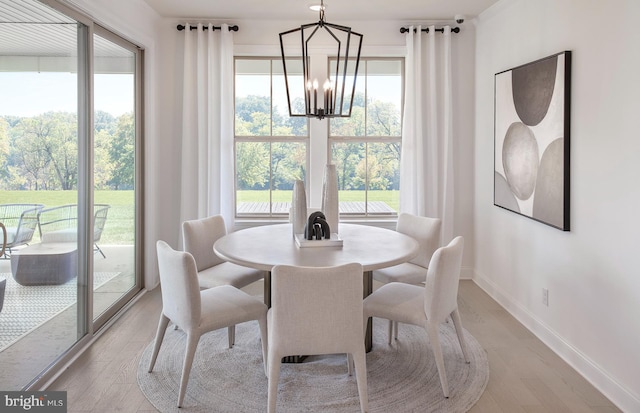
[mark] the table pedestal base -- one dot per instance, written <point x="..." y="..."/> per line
<point x="294" y="359"/>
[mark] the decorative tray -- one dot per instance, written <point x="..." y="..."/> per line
<point x="334" y="241"/>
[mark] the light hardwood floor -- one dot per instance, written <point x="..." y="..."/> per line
<point x="525" y="376"/>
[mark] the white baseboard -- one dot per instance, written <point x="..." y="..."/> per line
<point x="619" y="395"/>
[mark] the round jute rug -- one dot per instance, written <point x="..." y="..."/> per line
<point x="402" y="377"/>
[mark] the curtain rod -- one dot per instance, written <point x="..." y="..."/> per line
<point x="181" y="27"/>
<point x="441" y="30"/>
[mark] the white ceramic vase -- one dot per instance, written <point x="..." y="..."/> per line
<point x="298" y="207"/>
<point x="330" y="197"/>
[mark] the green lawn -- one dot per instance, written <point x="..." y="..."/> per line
<point x="392" y="198"/>
<point x="119" y="228"/>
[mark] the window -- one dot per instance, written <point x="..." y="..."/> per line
<point x="366" y="147"/>
<point x="70" y="179"/>
<point x="270" y="147"/>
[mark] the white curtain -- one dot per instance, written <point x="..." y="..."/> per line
<point x="426" y="168"/>
<point x="207" y="125"/>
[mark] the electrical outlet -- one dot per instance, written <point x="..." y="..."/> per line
<point x="545" y="297"/>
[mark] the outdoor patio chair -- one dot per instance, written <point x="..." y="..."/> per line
<point x="20" y="221"/>
<point x="60" y="224"/>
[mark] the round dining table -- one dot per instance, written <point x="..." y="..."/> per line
<point x="263" y="247"/>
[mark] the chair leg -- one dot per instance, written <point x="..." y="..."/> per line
<point x="350" y="364"/>
<point x="97" y="248"/>
<point x="434" y="338"/>
<point x="393" y="330"/>
<point x="457" y="323"/>
<point x="262" y="321"/>
<point x="361" y="377"/>
<point x="162" y="327"/>
<point x="192" y="344"/>
<point x="232" y="335"/>
<point x="274" y="376"/>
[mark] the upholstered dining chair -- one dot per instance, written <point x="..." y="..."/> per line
<point x="316" y="311"/>
<point x="198" y="237"/>
<point x="426" y="231"/>
<point x="199" y="311"/>
<point x="429" y="306"/>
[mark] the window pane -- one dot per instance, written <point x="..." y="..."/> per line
<point x="384" y="98"/>
<point x="349" y="159"/>
<point x="39" y="127"/>
<point x="354" y="125"/>
<point x="268" y="160"/>
<point x="252" y="177"/>
<point x="369" y="179"/>
<point x="383" y="170"/>
<point x="114" y="172"/>
<point x="253" y="97"/>
<point x="288" y="164"/>
<point x="285" y="125"/>
<point x="343" y="79"/>
<point x="288" y="160"/>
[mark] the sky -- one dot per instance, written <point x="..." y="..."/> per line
<point x="32" y="93"/>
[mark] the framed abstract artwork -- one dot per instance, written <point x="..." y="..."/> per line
<point x="531" y="161"/>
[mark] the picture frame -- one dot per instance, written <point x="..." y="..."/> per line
<point x="532" y="105"/>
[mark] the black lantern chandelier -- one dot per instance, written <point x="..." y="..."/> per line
<point x="302" y="86"/>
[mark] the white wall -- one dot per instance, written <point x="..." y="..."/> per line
<point x="591" y="272"/>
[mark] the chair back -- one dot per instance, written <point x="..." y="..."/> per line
<point x="20" y="220"/>
<point x="198" y="237"/>
<point x="179" y="284"/>
<point x="426" y="231"/>
<point x="443" y="275"/>
<point x="26" y="226"/>
<point x="316" y="310"/>
<point x="99" y="220"/>
<point x="10" y="214"/>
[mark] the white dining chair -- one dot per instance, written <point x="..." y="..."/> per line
<point x="198" y="237"/>
<point x="426" y="231"/>
<point x="427" y="306"/>
<point x="199" y="311"/>
<point x="316" y="311"/>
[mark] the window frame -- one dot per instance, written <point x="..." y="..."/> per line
<point x="367" y="139"/>
<point x="271" y="139"/>
<point x="318" y="141"/>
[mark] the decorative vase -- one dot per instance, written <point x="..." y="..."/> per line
<point x="330" y="197"/>
<point x="298" y="207"/>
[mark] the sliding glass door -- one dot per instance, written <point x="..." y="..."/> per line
<point x="70" y="135"/>
<point x="116" y="86"/>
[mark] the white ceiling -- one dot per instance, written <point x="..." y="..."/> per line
<point x="407" y="10"/>
<point x="31" y="28"/>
